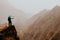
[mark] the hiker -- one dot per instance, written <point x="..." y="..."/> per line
<point x="9" y="20"/>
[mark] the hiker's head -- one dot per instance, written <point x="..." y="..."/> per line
<point x="12" y="17"/>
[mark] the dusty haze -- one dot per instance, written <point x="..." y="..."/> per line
<point x="45" y="25"/>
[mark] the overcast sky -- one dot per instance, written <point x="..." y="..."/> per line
<point x="33" y="6"/>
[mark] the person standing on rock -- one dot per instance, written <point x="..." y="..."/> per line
<point x="9" y="20"/>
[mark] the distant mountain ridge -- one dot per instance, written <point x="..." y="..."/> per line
<point x="46" y="27"/>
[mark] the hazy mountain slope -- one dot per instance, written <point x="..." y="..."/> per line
<point x="35" y="17"/>
<point x="46" y="27"/>
<point x="6" y="9"/>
